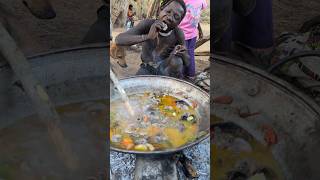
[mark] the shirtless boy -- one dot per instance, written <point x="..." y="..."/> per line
<point x="163" y="45"/>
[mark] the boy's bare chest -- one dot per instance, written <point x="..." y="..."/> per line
<point x="163" y="43"/>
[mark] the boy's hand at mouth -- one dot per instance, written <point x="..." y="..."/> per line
<point x="155" y="28"/>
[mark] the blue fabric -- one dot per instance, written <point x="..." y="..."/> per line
<point x="191" y="69"/>
<point x="256" y="29"/>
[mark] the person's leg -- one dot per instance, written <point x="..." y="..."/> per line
<point x="223" y="45"/>
<point x="221" y="13"/>
<point x="222" y="30"/>
<point x="255" y="32"/>
<point x="190" y="45"/>
<point x="256" y="29"/>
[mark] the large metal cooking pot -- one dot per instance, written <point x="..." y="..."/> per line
<point x="293" y="115"/>
<point x="178" y="88"/>
<point x="71" y="75"/>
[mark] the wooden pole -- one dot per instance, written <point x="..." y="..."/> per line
<point x="204" y="53"/>
<point x="202" y="41"/>
<point x="149" y="12"/>
<point x="153" y="8"/>
<point x="39" y="98"/>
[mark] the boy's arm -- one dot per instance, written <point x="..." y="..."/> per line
<point x="181" y="41"/>
<point x="135" y="35"/>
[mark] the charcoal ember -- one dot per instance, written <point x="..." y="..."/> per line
<point x="141" y="141"/>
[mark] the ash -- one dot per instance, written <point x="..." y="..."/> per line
<point x="122" y="165"/>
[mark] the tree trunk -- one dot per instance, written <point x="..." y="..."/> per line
<point x="119" y="9"/>
<point x="204" y="53"/>
<point x="153" y="8"/>
<point x="202" y="41"/>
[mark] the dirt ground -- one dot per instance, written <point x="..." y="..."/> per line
<point x="67" y="29"/>
<point x="289" y="15"/>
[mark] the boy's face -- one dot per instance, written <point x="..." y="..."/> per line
<point x="172" y="14"/>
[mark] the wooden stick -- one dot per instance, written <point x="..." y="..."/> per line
<point x="202" y="41"/>
<point x="39" y="98"/>
<point x="202" y="53"/>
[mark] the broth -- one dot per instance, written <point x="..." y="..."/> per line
<point x="28" y="153"/>
<point x="239" y="152"/>
<point x="161" y="122"/>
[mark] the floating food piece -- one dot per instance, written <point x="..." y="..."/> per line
<point x="223" y="100"/>
<point x="159" y="139"/>
<point x="150" y="147"/>
<point x="141" y="141"/>
<point x="141" y="147"/>
<point x="127" y="143"/>
<point x="191" y="119"/>
<point x="183" y="106"/>
<point x="244" y="112"/>
<point x="129" y="146"/>
<point x="145" y="118"/>
<point x="116" y="138"/>
<point x="270" y="135"/>
<point x="127" y="140"/>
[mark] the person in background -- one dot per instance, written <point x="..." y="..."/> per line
<point x="244" y="29"/>
<point x="130" y="15"/>
<point x="191" y="28"/>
